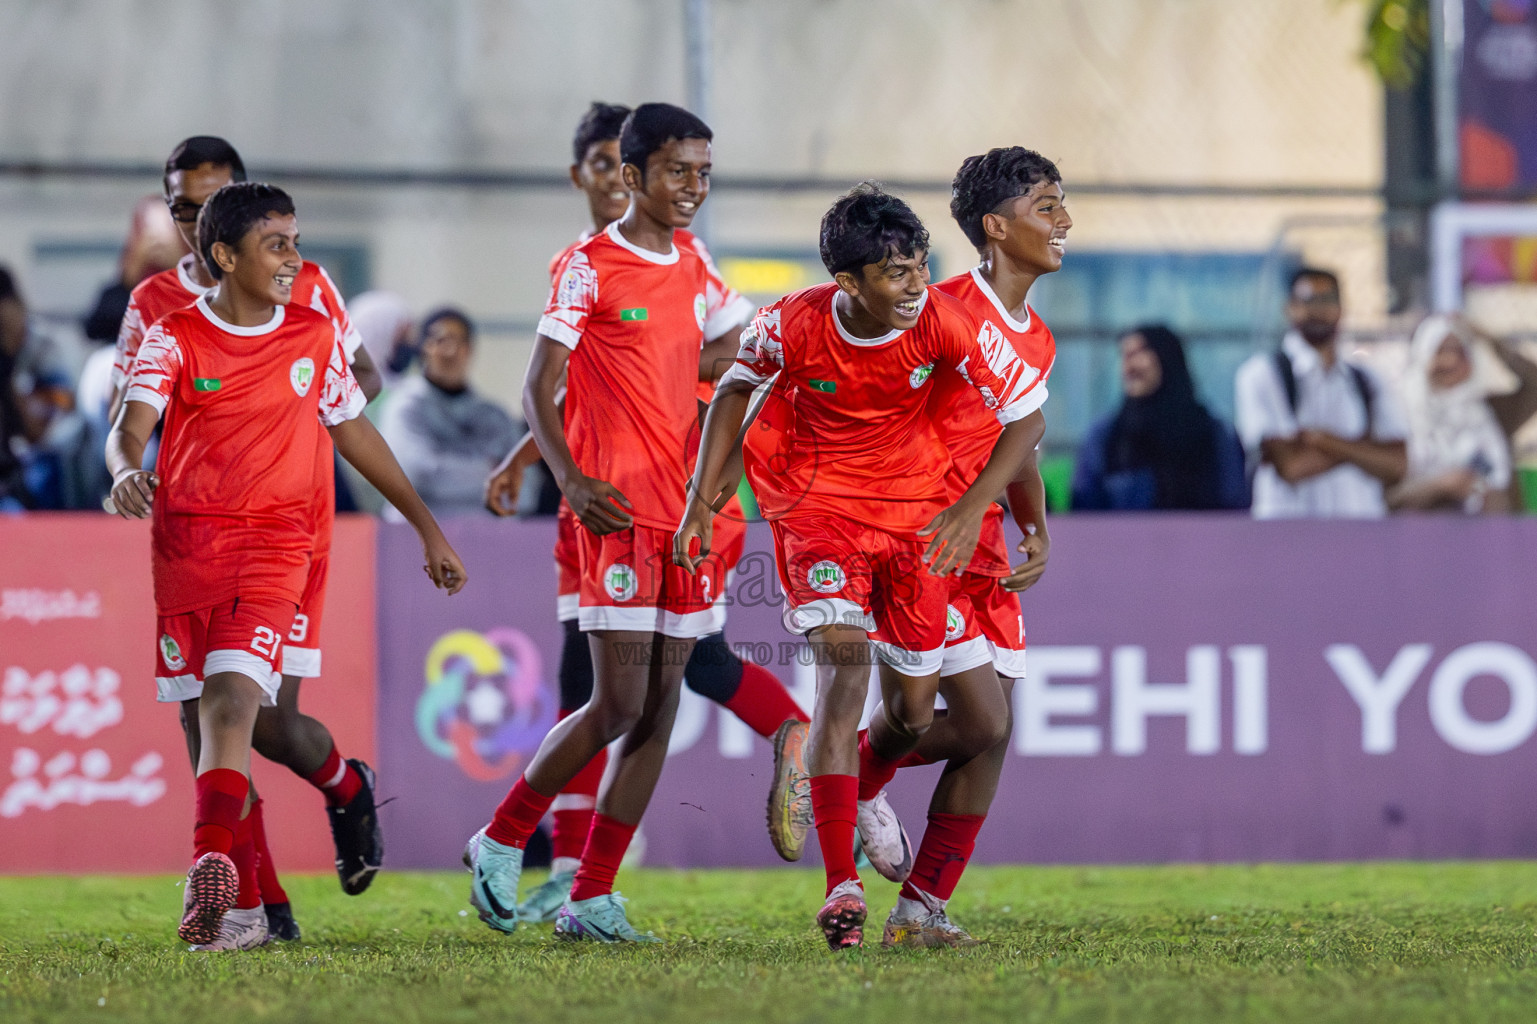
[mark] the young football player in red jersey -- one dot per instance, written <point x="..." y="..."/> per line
<point x="245" y="381"/>
<point x="1009" y="203"/>
<point x="750" y="691"/>
<point x="863" y="528"/>
<point x="197" y="168"/>
<point x="628" y="310"/>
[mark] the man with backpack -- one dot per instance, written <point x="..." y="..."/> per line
<point x="1326" y="433"/>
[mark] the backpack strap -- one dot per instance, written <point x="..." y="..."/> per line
<point x="1283" y="369"/>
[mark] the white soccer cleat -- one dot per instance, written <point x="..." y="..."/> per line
<point x="884" y="839"/>
<point x="923" y="924"/>
<point x="240" y="930"/>
<point x="495" y="870"/>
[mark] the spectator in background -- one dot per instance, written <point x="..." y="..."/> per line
<point x="1161" y="449"/>
<point x="1327" y="437"/>
<point x="14" y="423"/>
<point x="384" y="321"/>
<point x="1459" y="456"/>
<point x="446" y="437"/>
<point x="153" y="245"/>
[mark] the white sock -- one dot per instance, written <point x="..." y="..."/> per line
<point x="565" y="865"/>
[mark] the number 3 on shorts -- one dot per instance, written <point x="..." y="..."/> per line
<point x="300" y="630"/>
<point x="265" y="642"/>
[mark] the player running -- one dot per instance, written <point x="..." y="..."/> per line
<point x="864" y="531"/>
<point x="1009" y="202"/>
<point x="751" y="692"/>
<point x="196" y="169"/>
<point x="245" y="381"/>
<point x="627" y="313"/>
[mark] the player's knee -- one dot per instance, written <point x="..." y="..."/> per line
<point x="614" y="716"/>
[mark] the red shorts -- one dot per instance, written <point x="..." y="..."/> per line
<point x="301" y="651"/>
<point x="629" y="582"/>
<point x="836" y="570"/>
<point x="244" y="635"/>
<point x="568" y="564"/>
<point x="983" y="623"/>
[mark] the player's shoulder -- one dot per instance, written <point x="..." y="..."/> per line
<point x="947" y="312"/>
<point x="160" y="293"/>
<point x="298" y="316"/>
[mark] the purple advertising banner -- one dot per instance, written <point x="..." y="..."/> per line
<point x="1200" y="688"/>
<point x="1497" y="94"/>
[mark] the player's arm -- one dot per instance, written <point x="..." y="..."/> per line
<point x="597" y="503"/>
<point x="133" y="488"/>
<point x="358" y="441"/>
<point x="717" y="355"/>
<point x="369" y="379"/>
<point x="717" y="470"/>
<point x="506" y="480"/>
<point x="1027" y="504"/>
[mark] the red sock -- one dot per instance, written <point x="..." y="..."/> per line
<point x="606" y="843"/>
<point x="762" y="702"/>
<point x="266" y="871"/>
<point x="337" y="779"/>
<point x="518" y="815"/>
<point x="943" y="854"/>
<point x="573" y="808"/>
<point x="833" y="806"/>
<point x="221" y="794"/>
<point x="874" y="771"/>
<point x="243" y="853"/>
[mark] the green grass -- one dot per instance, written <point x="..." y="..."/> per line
<point x="1360" y="942"/>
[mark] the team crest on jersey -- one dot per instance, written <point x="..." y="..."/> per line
<point x="170" y="653"/>
<point x="919" y="375"/>
<point x="699" y="310"/>
<point x="301" y="375"/>
<point x="826" y="577"/>
<point x="954" y="624"/>
<point x="620" y="581"/>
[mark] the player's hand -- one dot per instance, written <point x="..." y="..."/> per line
<point x="698" y="524"/>
<point x="133" y="492"/>
<point x="598" y="504"/>
<point x="1037" y="549"/>
<point x="502" y="488"/>
<point x="953" y="539"/>
<point x="443" y="565"/>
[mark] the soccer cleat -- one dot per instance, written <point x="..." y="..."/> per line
<point x="789" y="803"/>
<point x="600" y="919"/>
<point x="281" y="926"/>
<point x="544" y="903"/>
<point x="356" y="833"/>
<point x="842" y="917"/>
<point x="240" y="929"/>
<point x="494" y="873"/>
<point x="211" y="888"/>
<point x="885" y="840"/>
<point x="924" y="925"/>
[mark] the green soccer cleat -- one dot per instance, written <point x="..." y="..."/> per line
<point x="600" y="919"/>
<point x="494" y="873"/>
<point x="544" y="903"/>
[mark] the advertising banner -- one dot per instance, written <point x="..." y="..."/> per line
<point x="1497" y="94"/>
<point x="1200" y="688"/>
<point x="94" y="773"/>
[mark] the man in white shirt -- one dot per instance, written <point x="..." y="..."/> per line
<point x="1327" y="434"/>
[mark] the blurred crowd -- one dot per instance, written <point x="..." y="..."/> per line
<point x="1319" y="432"/>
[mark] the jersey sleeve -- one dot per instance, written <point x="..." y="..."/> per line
<point x="761" y="355"/>
<point x="157" y="366"/>
<point x="341" y="399"/>
<point x="573" y="297"/>
<point x="724" y="306"/>
<point x="336" y="309"/>
<point x="1011" y="387"/>
<point x="129" y="337"/>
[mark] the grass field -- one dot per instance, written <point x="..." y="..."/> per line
<point x="1361" y="942"/>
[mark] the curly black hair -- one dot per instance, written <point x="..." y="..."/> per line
<point x="986" y="182"/>
<point x="866" y="225"/>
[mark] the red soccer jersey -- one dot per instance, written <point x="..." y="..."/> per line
<point x="175" y="289"/>
<point x="857" y="440"/>
<point x="635" y="321"/>
<point x="967" y="429"/>
<point x="236" y="511"/>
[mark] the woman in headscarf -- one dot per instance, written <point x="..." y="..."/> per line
<point x="1459" y="457"/>
<point x="1161" y="449"/>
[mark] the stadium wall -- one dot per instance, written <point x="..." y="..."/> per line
<point x="1202" y="688"/>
